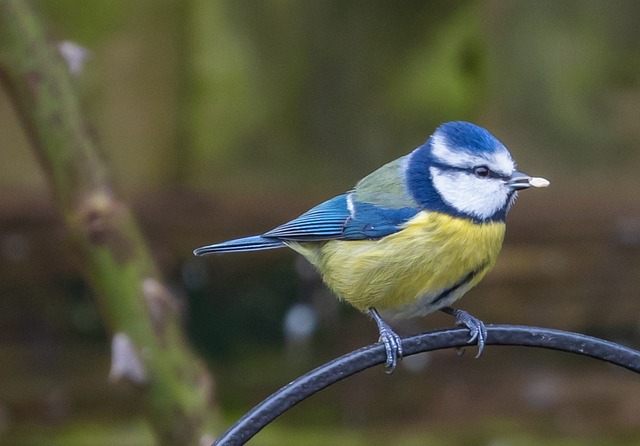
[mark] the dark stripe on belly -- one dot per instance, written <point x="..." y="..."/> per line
<point x="466" y="279"/>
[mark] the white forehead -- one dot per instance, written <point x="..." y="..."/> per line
<point x="498" y="160"/>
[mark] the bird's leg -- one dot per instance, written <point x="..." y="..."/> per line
<point x="476" y="327"/>
<point x="392" y="342"/>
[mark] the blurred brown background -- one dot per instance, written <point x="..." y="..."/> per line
<point x="226" y="118"/>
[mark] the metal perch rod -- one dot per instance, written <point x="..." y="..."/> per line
<point x="356" y="361"/>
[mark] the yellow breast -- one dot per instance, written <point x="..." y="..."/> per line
<point x="433" y="254"/>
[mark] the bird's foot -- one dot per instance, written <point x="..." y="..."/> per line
<point x="477" y="329"/>
<point x="392" y="342"/>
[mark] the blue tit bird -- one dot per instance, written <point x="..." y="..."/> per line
<point x="413" y="236"/>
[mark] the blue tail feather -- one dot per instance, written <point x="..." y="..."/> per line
<point x="253" y="243"/>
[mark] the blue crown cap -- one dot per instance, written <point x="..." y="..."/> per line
<point x="468" y="137"/>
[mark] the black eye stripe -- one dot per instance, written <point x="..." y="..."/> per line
<point x="471" y="170"/>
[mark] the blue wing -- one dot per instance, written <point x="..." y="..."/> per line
<point x="254" y="243"/>
<point x="373" y="222"/>
<point x="331" y="220"/>
<point x="326" y="221"/>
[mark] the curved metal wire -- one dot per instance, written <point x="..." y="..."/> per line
<point x="325" y="375"/>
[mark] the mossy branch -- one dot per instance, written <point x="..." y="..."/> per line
<point x="149" y="347"/>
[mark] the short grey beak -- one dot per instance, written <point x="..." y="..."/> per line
<point x="520" y="180"/>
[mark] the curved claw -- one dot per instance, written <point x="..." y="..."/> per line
<point x="392" y="342"/>
<point x="477" y="329"/>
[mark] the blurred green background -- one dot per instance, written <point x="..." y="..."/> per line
<point x="226" y="118"/>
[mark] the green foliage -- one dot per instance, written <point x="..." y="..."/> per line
<point x="445" y="77"/>
<point x="489" y="431"/>
<point x="564" y="69"/>
<point x="87" y="22"/>
<point x="225" y="94"/>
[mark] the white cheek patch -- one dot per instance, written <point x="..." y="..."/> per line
<point x="468" y="194"/>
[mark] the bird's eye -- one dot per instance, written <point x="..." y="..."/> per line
<point x="481" y="171"/>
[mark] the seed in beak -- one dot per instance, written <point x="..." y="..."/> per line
<point x="538" y="182"/>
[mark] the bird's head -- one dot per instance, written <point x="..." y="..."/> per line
<point x="463" y="170"/>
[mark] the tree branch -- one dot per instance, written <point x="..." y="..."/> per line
<point x="149" y="348"/>
<point x="356" y="361"/>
